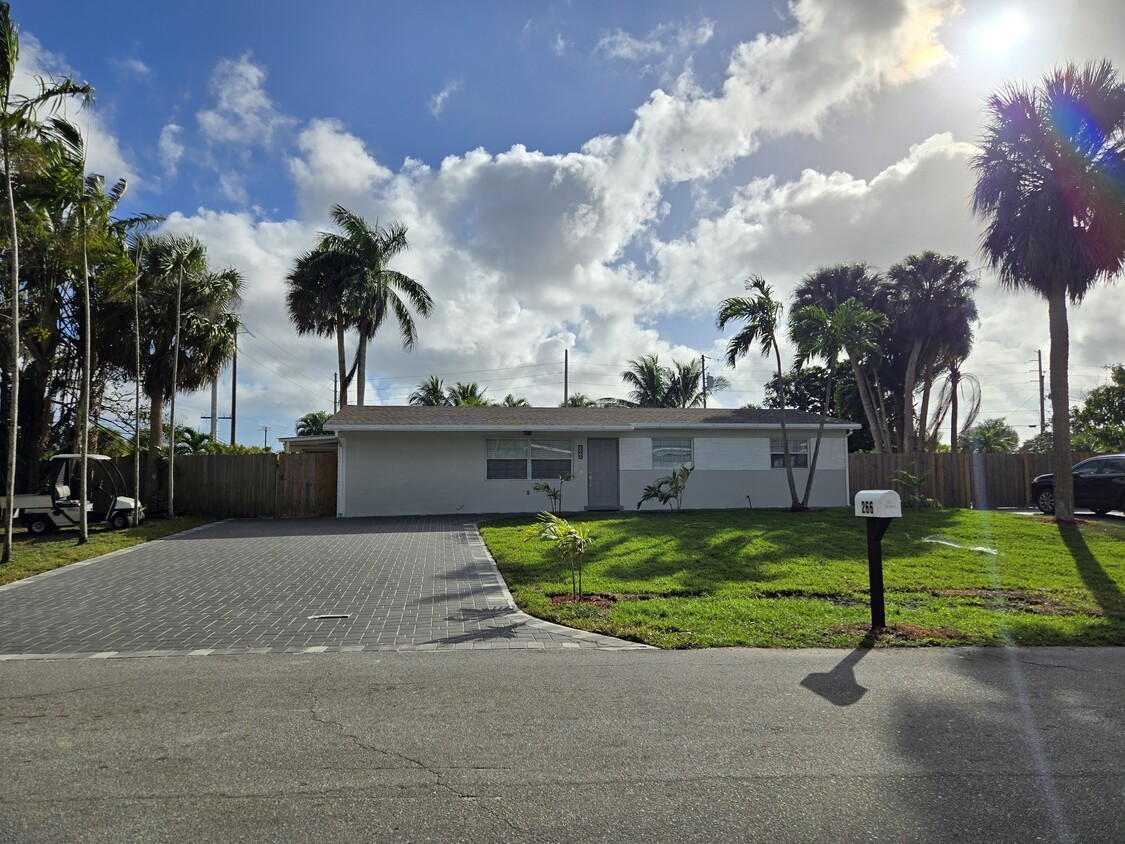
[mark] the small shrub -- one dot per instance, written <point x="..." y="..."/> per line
<point x="669" y="490"/>
<point x="554" y="493"/>
<point x="913" y="494"/>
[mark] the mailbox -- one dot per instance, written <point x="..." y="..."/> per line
<point x="878" y="504"/>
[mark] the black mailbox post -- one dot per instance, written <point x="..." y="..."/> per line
<point x="878" y="507"/>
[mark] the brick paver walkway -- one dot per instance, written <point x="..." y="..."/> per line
<point x="247" y="586"/>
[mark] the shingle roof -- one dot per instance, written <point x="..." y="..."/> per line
<point x="531" y="418"/>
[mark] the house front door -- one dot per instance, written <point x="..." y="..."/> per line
<point x="602" y="471"/>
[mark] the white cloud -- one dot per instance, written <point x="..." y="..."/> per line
<point x="559" y="45"/>
<point x="243" y="113"/>
<point x="333" y="168"/>
<point x="662" y="51"/>
<point x="133" y="67"/>
<point x="438" y="100"/>
<point x="170" y="148"/>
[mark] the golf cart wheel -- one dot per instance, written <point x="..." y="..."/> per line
<point x="1045" y="501"/>
<point x="120" y="521"/>
<point x="39" y="525"/>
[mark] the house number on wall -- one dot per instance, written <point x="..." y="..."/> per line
<point x="579" y="452"/>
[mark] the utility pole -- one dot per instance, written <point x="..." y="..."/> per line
<point x="265" y="436"/>
<point x="234" y="392"/>
<point x="566" y="376"/>
<point x="703" y="378"/>
<point x="1042" y="396"/>
<point x="215" y="411"/>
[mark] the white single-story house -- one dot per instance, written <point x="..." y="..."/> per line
<point x="439" y="460"/>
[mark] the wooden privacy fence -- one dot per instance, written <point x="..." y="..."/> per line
<point x="981" y="481"/>
<point x="284" y="486"/>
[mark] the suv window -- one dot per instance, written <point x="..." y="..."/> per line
<point x="1089" y="467"/>
<point x="1113" y="465"/>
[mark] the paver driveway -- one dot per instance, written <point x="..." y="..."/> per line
<point x="243" y="586"/>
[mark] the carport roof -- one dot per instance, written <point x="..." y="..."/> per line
<point x="368" y="418"/>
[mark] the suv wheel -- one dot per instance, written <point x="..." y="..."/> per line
<point x="1045" y="501"/>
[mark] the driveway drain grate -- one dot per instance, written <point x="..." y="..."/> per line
<point x="328" y="617"/>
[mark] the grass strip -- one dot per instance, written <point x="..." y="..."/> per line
<point x="778" y="579"/>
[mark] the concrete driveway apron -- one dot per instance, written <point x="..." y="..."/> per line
<point x="273" y="586"/>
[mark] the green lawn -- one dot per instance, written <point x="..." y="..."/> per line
<point x="35" y="554"/>
<point x="777" y="579"/>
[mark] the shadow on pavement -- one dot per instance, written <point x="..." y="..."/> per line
<point x="839" y="686"/>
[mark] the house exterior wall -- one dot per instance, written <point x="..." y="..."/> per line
<point x="428" y="472"/>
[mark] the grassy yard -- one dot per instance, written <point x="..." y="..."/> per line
<point x="776" y="579"/>
<point x="35" y="554"/>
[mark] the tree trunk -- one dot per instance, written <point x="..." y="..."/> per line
<point x="955" y="388"/>
<point x="908" y="384"/>
<point x="795" y="504"/>
<point x="868" y="405"/>
<point x="342" y="359"/>
<point x="155" y="443"/>
<point x="13" y="362"/>
<point x="172" y="410"/>
<point x="361" y="369"/>
<point x="84" y="395"/>
<point x="922" y="437"/>
<point x="819" y="434"/>
<point x="1060" y="404"/>
<point x="137" y="398"/>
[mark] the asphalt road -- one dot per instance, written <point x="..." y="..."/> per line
<point x="724" y="745"/>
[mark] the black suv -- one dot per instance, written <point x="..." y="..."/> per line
<point x="1099" y="485"/>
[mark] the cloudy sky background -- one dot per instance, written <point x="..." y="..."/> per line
<point x="572" y="176"/>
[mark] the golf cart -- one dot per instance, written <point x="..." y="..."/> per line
<point x="57" y="508"/>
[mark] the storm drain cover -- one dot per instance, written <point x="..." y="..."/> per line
<point x="329" y="616"/>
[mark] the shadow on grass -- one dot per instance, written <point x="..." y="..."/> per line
<point x="1105" y="591"/>
<point x="839" y="686"/>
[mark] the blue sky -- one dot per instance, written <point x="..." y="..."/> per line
<point x="584" y="176"/>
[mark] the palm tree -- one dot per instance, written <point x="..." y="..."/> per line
<point x="19" y="123"/>
<point x="1049" y="175"/>
<point x="579" y="400"/>
<point x="208" y="325"/>
<point x="818" y="333"/>
<point x="512" y="401"/>
<point x="314" y="297"/>
<point x="648" y="383"/>
<point x="685" y="387"/>
<point x="466" y="395"/>
<point x="930" y="298"/>
<point x="190" y="441"/>
<point x="430" y="393"/>
<point x="371" y="290"/>
<point x="761" y="314"/>
<point x="312" y="424"/>
<point x="828" y="288"/>
<point x="992" y="436"/>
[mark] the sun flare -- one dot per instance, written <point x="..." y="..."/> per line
<point x="999" y="36"/>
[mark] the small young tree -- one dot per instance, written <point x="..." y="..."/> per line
<point x="668" y="490"/>
<point x="554" y="493"/>
<point x="571" y="541"/>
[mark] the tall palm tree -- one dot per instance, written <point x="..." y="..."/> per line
<point x="512" y="401"/>
<point x="372" y="291"/>
<point x="1049" y="185"/>
<point x="930" y="297"/>
<point x="430" y="393"/>
<point x="19" y="123"/>
<point x="818" y="333"/>
<point x="208" y="326"/>
<point x="314" y="297"/>
<point x="579" y="400"/>
<point x="828" y="288"/>
<point x="761" y="314"/>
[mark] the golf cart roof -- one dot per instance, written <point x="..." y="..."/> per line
<point x="78" y="456"/>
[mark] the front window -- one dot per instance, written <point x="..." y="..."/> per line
<point x="798" y="453"/>
<point x="671" y="452"/>
<point x="519" y="459"/>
